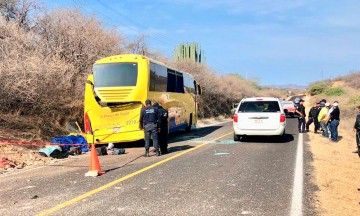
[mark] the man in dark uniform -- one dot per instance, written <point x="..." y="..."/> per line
<point x="163" y="134"/>
<point x="149" y="122"/>
<point x="356" y="129"/>
<point x="300" y="110"/>
<point x="313" y="117"/>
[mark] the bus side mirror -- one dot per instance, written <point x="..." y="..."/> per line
<point x="199" y="90"/>
<point x="90" y="80"/>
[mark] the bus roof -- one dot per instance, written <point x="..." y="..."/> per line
<point x="132" y="57"/>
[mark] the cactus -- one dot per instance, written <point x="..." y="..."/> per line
<point x="189" y="51"/>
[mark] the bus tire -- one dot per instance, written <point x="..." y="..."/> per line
<point x="188" y="128"/>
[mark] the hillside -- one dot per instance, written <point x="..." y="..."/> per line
<point x="344" y="89"/>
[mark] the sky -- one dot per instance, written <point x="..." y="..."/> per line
<point x="275" y="42"/>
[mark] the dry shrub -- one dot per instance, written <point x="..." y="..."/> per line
<point x="353" y="80"/>
<point x="43" y="69"/>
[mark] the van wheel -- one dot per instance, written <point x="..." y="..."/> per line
<point x="237" y="138"/>
<point x="188" y="128"/>
<point x="281" y="138"/>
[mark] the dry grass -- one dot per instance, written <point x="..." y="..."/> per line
<point x="353" y="80"/>
<point x="337" y="170"/>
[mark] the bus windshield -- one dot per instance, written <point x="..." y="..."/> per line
<point x="115" y="74"/>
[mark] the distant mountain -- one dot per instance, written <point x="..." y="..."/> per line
<point x="289" y="86"/>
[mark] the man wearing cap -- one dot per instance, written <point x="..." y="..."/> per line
<point x="334" y="120"/>
<point x="300" y="110"/>
<point x="356" y="129"/>
<point x="322" y="119"/>
<point x="149" y="122"/>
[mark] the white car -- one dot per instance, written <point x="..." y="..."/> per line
<point x="259" y="116"/>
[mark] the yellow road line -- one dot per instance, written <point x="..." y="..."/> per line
<point x="99" y="189"/>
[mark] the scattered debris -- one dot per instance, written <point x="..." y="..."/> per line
<point x="27" y="187"/>
<point x="14" y="157"/>
<point x="221" y="153"/>
<point x="34" y="197"/>
<point x="6" y="164"/>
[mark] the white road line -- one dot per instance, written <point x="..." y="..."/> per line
<point x="297" y="196"/>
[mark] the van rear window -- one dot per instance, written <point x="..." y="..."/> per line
<point x="259" y="106"/>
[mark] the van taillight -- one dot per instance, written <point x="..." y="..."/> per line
<point x="235" y="118"/>
<point x="282" y="117"/>
<point x="87" y="124"/>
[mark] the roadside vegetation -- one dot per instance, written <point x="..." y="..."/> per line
<point x="335" y="166"/>
<point x="46" y="56"/>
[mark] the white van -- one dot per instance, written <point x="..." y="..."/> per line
<point x="259" y="116"/>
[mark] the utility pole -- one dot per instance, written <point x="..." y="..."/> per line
<point x="322" y="75"/>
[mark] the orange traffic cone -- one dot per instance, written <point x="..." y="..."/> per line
<point x="95" y="168"/>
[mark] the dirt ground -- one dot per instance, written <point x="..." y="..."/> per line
<point x="336" y="170"/>
<point x="13" y="157"/>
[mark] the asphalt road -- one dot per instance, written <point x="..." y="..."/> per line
<point x="216" y="177"/>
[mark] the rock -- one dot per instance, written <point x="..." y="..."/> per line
<point x="34" y="197"/>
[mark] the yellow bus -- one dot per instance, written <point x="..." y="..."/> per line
<point x="116" y="92"/>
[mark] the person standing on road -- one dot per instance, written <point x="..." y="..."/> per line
<point x="149" y="122"/>
<point x="333" y="121"/>
<point x="163" y="134"/>
<point x="300" y="110"/>
<point x="313" y="114"/>
<point x="356" y="129"/>
<point x="322" y="119"/>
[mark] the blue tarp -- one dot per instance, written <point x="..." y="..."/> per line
<point x="68" y="140"/>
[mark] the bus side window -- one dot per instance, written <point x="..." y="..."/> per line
<point x="161" y="78"/>
<point x="171" y="82"/>
<point x="158" y="78"/>
<point x="188" y="83"/>
<point x="179" y="82"/>
<point x="152" y="77"/>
